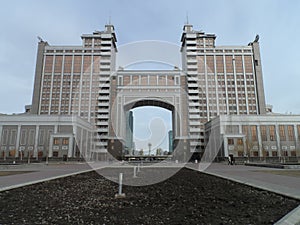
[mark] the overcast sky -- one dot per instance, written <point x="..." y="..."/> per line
<point x="234" y="22"/>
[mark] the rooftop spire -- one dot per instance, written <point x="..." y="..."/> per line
<point x="187" y="17"/>
<point x="109" y="17"/>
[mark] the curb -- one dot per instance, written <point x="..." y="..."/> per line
<point x="292" y="218"/>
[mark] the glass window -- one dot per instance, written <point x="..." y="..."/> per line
<point x="31" y="137"/>
<point x="282" y="133"/>
<point x="56" y="141"/>
<point x="65" y="141"/>
<point x="13" y="137"/>
<point x="240" y="141"/>
<point x="263" y="131"/>
<point x="272" y="133"/>
<point x="291" y="133"/>
<point x="253" y="133"/>
<point x="5" y="137"/>
<point x="23" y="137"/>
<point x="230" y="141"/>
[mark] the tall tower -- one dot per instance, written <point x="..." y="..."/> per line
<point x="75" y="80"/>
<point x="221" y="80"/>
<point x="129" y="131"/>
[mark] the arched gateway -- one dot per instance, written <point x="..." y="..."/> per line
<point x="134" y="88"/>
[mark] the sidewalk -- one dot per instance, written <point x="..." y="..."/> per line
<point x="281" y="181"/>
<point x="36" y="173"/>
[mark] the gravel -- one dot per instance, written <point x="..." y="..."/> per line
<point x="188" y="197"/>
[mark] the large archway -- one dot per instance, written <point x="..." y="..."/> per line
<point x="151" y="131"/>
<point x="131" y="89"/>
<point x="148" y="123"/>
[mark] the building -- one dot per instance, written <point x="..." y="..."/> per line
<point x="207" y="85"/>
<point x="43" y="136"/>
<point x="256" y="135"/>
<point x="75" y="80"/>
<point x="220" y="80"/>
<point x="170" y="135"/>
<point x="129" y="132"/>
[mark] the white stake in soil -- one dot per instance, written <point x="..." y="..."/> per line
<point x="120" y="194"/>
<point x="134" y="172"/>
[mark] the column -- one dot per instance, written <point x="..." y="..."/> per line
<point x="74" y="140"/>
<point x="55" y="129"/>
<point x="50" y="152"/>
<point x="259" y="141"/>
<point x="35" y="151"/>
<point x="18" y="141"/>
<point x="278" y="140"/>
<point x="1" y="128"/>
<point x="244" y="145"/>
<point x="225" y="147"/>
<point x="295" y="133"/>
<point x="70" y="146"/>
<point x="81" y="141"/>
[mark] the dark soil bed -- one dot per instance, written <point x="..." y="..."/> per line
<point x="189" y="197"/>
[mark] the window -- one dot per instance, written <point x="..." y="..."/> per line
<point x="176" y="80"/>
<point x="65" y="141"/>
<point x="263" y="131"/>
<point x="272" y="133"/>
<point x="282" y="133"/>
<point x="23" y="137"/>
<point x="253" y="133"/>
<point x="245" y="130"/>
<point x="13" y="137"/>
<point x="291" y="133"/>
<point x="56" y="141"/>
<point x="5" y="137"/>
<point x="41" y="137"/>
<point x="230" y="141"/>
<point x="240" y="141"/>
<point x="31" y="137"/>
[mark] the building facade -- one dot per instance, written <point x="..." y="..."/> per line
<point x="75" y="80"/>
<point x="221" y="80"/>
<point x="213" y="89"/>
<point x="44" y="136"/>
<point x="256" y="135"/>
<point x="84" y="81"/>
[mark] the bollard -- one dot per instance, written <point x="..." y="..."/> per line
<point x="196" y="161"/>
<point x="120" y="194"/>
<point x="134" y="172"/>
